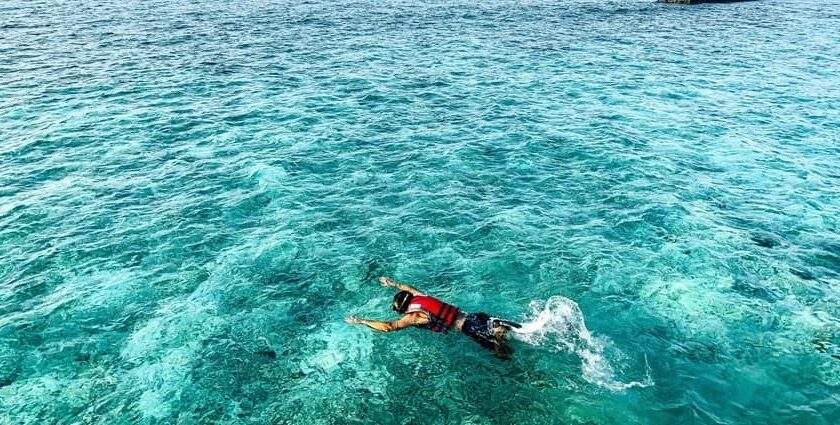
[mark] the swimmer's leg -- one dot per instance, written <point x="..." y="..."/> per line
<point x="506" y="323"/>
<point x="500" y="336"/>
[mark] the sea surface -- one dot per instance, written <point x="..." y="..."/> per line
<point x="195" y="194"/>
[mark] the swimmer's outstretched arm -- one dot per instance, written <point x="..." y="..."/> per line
<point x="401" y="323"/>
<point x="401" y="286"/>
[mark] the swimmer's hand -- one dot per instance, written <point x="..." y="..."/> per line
<point x="353" y="320"/>
<point x="387" y="282"/>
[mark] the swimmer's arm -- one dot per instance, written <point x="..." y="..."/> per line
<point x="404" y="322"/>
<point x="401" y="286"/>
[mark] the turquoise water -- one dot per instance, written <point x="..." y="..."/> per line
<point x="194" y="194"/>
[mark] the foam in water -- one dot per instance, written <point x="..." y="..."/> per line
<point x="558" y="323"/>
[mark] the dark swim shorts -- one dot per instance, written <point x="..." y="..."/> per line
<point x="480" y="327"/>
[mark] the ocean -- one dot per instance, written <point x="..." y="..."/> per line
<point x="195" y="194"/>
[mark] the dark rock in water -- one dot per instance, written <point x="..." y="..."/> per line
<point x="821" y="345"/>
<point x="804" y="274"/>
<point x="298" y="375"/>
<point x="766" y="240"/>
<point x="8" y="379"/>
<point x="269" y="354"/>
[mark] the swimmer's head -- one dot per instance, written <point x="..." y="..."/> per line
<point x="401" y="301"/>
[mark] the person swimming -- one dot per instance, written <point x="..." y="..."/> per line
<point x="430" y="313"/>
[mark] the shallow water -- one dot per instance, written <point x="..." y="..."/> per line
<point x="194" y="194"/>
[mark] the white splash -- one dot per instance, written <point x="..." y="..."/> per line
<point x="558" y="322"/>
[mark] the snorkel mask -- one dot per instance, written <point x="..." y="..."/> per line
<point x="401" y="301"/>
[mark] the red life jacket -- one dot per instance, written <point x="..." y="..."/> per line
<point x="442" y="315"/>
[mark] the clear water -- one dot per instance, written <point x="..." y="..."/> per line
<point x="193" y="194"/>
